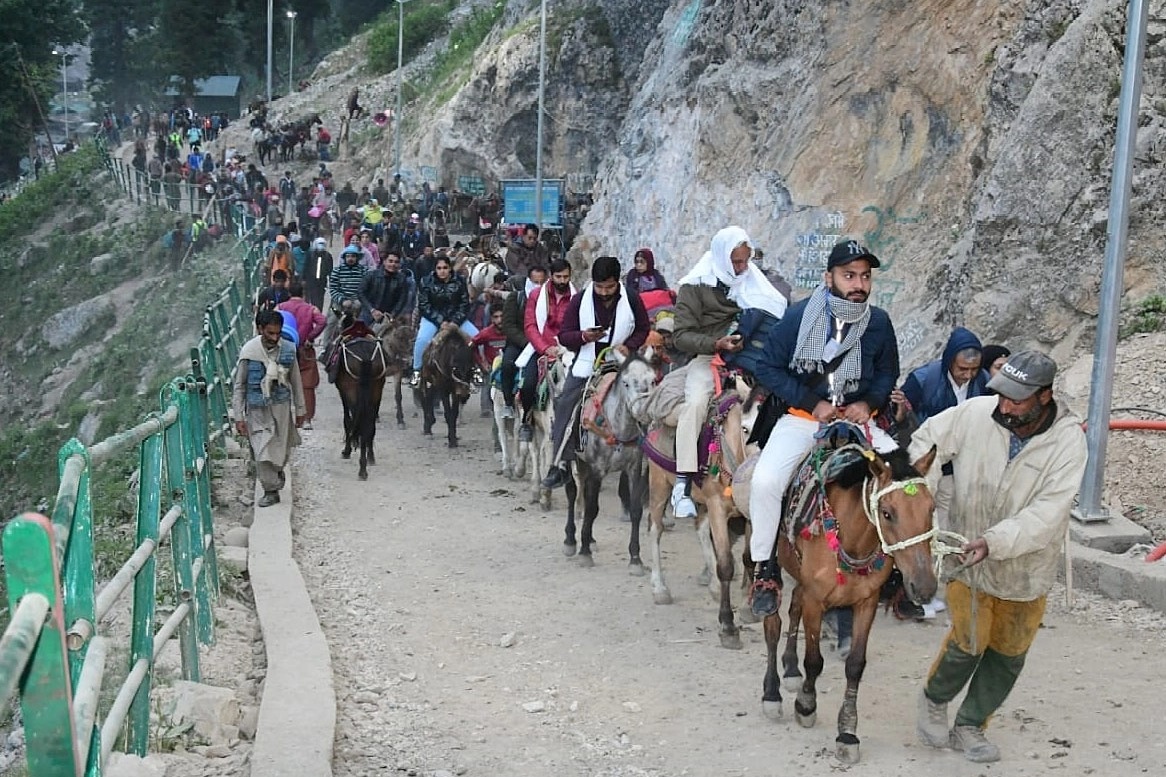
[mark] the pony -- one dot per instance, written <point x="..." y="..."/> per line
<point x="613" y="448"/>
<point x="447" y="373"/>
<point x="397" y="335"/>
<point x="733" y="414"/>
<point x="360" y="380"/>
<point x="537" y="453"/>
<point x="874" y="510"/>
<point x="481" y="276"/>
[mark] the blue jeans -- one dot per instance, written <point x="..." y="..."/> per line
<point x="425" y="334"/>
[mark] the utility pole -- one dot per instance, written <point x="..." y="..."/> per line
<point x="291" y="51"/>
<point x="64" y="88"/>
<point x="400" y="84"/>
<point x="538" y="153"/>
<point x="270" y="22"/>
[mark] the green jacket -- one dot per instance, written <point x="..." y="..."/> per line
<point x="704" y="314"/>
<point x="513" y="313"/>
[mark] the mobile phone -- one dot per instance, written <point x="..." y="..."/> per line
<point x="596" y="329"/>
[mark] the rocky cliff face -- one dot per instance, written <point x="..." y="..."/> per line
<point x="967" y="142"/>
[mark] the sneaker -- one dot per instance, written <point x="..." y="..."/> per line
<point x="507" y="412"/>
<point x="930" y="610"/>
<point x="974" y="745"/>
<point x="269" y="498"/>
<point x="525" y="433"/>
<point x="931" y="723"/>
<point x="555" y="478"/>
<point x="682" y="504"/>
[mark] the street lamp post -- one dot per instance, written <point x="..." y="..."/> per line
<point x="64" y="89"/>
<point x="400" y="82"/>
<point x="538" y="153"/>
<point x="270" y="22"/>
<point x="291" y="51"/>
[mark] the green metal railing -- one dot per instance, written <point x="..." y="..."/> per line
<point x="52" y="653"/>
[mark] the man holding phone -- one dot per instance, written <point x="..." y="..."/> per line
<point x="833" y="356"/>
<point x="603" y="315"/>
<point x="708" y="305"/>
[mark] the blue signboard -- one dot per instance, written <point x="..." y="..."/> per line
<point x="518" y="201"/>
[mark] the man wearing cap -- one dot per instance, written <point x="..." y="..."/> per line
<point x="344" y="285"/>
<point x="1017" y="460"/>
<point x="833" y="356"/>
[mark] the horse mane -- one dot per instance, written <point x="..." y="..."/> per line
<point x="856" y="471"/>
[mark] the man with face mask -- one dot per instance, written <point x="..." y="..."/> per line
<point x="1018" y="459"/>
<point x="832" y="356"/>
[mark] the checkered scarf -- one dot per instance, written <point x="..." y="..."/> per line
<point x="814" y="333"/>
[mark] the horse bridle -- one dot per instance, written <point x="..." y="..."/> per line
<point x="870" y="506"/>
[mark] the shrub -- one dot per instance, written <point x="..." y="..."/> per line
<point x="422" y="24"/>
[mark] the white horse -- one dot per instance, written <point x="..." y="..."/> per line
<point x="537" y="454"/>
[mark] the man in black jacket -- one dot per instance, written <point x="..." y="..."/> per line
<point x="316" y="272"/>
<point x="385" y="293"/>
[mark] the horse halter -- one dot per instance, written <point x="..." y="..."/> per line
<point x="870" y="506"/>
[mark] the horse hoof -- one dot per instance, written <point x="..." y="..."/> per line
<point x="569" y="549"/>
<point x="636" y="569"/>
<point x="792" y="682"/>
<point x="771" y="709"/>
<point x="586" y="560"/>
<point x="346" y="455"/>
<point x="451" y="444"/>
<point x="704" y="578"/>
<point x="662" y="597"/>
<point x="668" y="523"/>
<point x="427" y="434"/>
<point x="847" y="751"/>
<point x="626" y="518"/>
<point x="807" y="720"/>
<point x="731" y="641"/>
<point x="400" y="424"/>
<point x="745" y="615"/>
<point x="363" y="476"/>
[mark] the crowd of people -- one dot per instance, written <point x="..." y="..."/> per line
<point x="1009" y="457"/>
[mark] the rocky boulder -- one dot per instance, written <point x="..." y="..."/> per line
<point x="66" y="327"/>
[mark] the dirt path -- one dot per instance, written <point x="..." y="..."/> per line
<point x="422" y="574"/>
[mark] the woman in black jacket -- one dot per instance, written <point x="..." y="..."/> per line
<point x="444" y="303"/>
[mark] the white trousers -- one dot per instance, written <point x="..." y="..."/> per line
<point x="791" y="439"/>
<point x="698" y="387"/>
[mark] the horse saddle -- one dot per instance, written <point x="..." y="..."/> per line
<point x="837" y="447"/>
<point x="358" y="332"/>
<point x="659" y="443"/>
<point x="591" y="418"/>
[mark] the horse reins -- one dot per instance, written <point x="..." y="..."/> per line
<point x="378" y="351"/>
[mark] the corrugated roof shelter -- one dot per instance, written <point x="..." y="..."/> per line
<point x="216" y="94"/>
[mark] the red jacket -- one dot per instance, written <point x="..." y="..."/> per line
<point x="557" y="306"/>
<point x="309" y="320"/>
<point x="491" y="341"/>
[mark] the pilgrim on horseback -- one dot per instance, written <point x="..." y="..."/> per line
<point x="709" y="307"/>
<point x="543" y="319"/>
<point x="359" y="366"/>
<point x="386" y="293"/>
<point x="344" y="285"/>
<point x="603" y="316"/>
<point x="443" y="302"/>
<point x="267" y="401"/>
<point x="833" y="356"/>
<point x="527" y="252"/>
<point x="514" y="327"/>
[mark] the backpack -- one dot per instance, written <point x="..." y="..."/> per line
<point x="753" y="326"/>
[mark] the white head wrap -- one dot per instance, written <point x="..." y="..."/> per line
<point x="750" y="289"/>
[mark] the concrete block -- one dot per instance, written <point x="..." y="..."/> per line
<point x="1117" y="535"/>
<point x="1120" y="577"/>
<point x="214" y="711"/>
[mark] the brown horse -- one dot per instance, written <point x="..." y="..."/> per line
<point x="447" y="374"/>
<point x="397" y="335"/>
<point x="734" y="415"/>
<point x="360" y="380"/>
<point x="876" y="510"/>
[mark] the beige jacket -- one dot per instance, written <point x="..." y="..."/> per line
<point x="1021" y="507"/>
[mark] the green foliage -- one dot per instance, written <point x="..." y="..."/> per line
<point x="69" y="182"/>
<point x="425" y="20"/>
<point x="464" y="39"/>
<point x="1149" y="315"/>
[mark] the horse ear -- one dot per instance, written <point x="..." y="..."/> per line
<point x="648" y="353"/>
<point x="925" y="461"/>
<point x="616" y="356"/>
<point x="877" y="466"/>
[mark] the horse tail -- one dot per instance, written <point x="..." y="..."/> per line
<point x="363" y="397"/>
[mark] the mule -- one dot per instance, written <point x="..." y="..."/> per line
<point x="733" y="414"/>
<point x="397" y="335"/>
<point x="447" y="374"/>
<point x="877" y="511"/>
<point x="537" y="453"/>
<point x="360" y="380"/>
<point x="616" y="449"/>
